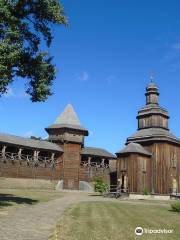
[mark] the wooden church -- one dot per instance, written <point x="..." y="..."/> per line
<point x="150" y="161"/>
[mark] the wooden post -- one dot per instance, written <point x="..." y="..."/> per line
<point x="34" y="155"/>
<point x="4" y="152"/>
<point x="89" y="161"/>
<point x="37" y="155"/>
<point x="19" y="153"/>
<point x="89" y="167"/>
<point x="35" y="158"/>
<point x="19" y="158"/>
<point x="52" y="165"/>
<point x="102" y="162"/>
<point x="52" y="156"/>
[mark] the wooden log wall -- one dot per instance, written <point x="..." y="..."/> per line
<point x="71" y="164"/>
<point x="162" y="169"/>
<point x="137" y="171"/>
<point x="16" y="169"/>
<point x="165" y="169"/>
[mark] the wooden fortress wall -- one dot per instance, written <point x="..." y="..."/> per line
<point x="67" y="168"/>
<point x="16" y="169"/>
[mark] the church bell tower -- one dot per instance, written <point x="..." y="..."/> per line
<point x="152" y="115"/>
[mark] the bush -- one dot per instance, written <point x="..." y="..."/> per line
<point x="99" y="185"/>
<point x="175" y="207"/>
<point x="145" y="191"/>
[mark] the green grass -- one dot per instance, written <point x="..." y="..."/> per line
<point x="34" y="194"/>
<point x="17" y="192"/>
<point x="11" y="199"/>
<point x="116" y="221"/>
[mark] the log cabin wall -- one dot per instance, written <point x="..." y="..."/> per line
<point x="152" y="121"/>
<point x="134" y="172"/>
<point x="71" y="164"/>
<point x="166" y="166"/>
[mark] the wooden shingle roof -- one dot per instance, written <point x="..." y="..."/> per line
<point x="29" y="143"/>
<point x="154" y="134"/>
<point x="133" y="148"/>
<point x="68" y="119"/>
<point x="92" y="151"/>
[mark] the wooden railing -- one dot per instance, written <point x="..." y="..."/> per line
<point x="94" y="164"/>
<point x="30" y="159"/>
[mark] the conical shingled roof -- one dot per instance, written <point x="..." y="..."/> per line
<point x="68" y="116"/>
<point x="68" y="119"/>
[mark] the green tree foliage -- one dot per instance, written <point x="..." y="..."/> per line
<point x="23" y="26"/>
<point x="99" y="185"/>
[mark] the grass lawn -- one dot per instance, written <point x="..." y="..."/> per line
<point x="11" y="199"/>
<point x="116" y="221"/>
<point x="15" y="193"/>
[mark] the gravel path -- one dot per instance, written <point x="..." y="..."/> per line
<point x="36" y="222"/>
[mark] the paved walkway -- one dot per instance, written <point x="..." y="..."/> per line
<point x="36" y="222"/>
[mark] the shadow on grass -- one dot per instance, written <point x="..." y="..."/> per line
<point x="8" y="199"/>
<point x="95" y="195"/>
<point x="173" y="211"/>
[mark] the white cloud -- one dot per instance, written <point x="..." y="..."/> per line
<point x="83" y="76"/>
<point x="9" y="93"/>
<point x="14" y="94"/>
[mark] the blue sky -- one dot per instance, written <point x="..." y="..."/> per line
<point x="104" y="59"/>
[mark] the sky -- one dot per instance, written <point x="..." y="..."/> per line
<point x="104" y="61"/>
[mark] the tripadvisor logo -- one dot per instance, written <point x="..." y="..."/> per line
<point x="139" y="231"/>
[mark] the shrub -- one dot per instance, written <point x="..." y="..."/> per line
<point x="99" y="185"/>
<point x="145" y="191"/>
<point x="175" y="206"/>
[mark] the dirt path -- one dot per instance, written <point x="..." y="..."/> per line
<point x="36" y="222"/>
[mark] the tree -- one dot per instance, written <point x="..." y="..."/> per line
<point x="24" y="24"/>
<point x="35" y="138"/>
